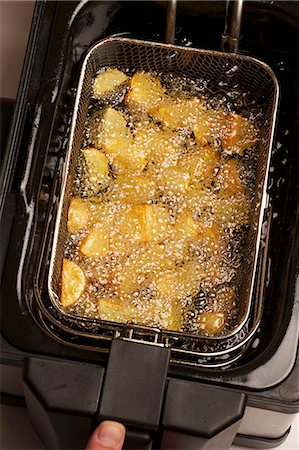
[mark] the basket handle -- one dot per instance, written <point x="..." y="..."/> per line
<point x="170" y="21"/>
<point x="232" y="27"/>
<point x="231" y="34"/>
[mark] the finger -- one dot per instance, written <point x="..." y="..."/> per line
<point x="107" y="436"/>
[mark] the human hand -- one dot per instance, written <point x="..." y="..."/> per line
<point x="107" y="436"/>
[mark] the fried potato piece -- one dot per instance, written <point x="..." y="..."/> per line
<point x="179" y="113"/>
<point x="96" y="243"/>
<point x="106" y="82"/>
<point x="186" y="226"/>
<point x="209" y="125"/>
<point x="202" y="165"/>
<point x="211" y="322"/>
<point x="145" y="223"/>
<point x="164" y="313"/>
<point x="116" y="310"/>
<point x="78" y="215"/>
<point x="113" y="127"/>
<point x="229" y="179"/>
<point x="180" y="282"/>
<point x="108" y="130"/>
<point x="163" y="147"/>
<point x="72" y="284"/>
<point x="173" y="180"/>
<point x="145" y="91"/>
<point x="232" y="212"/>
<point x="239" y="135"/>
<point x="116" y="139"/>
<point x="97" y="168"/>
<point x="133" y="189"/>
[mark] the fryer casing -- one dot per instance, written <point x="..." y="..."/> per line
<point x="267" y="374"/>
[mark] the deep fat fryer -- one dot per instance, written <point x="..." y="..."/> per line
<point x="169" y="384"/>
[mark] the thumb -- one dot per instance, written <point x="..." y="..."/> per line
<point x="107" y="436"/>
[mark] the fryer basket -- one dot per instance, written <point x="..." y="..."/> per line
<point x="218" y="68"/>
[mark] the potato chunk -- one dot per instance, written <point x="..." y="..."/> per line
<point x="78" y="215"/>
<point x="133" y="189"/>
<point x="229" y="179"/>
<point x="73" y="283"/>
<point x="108" y="81"/>
<point x="179" y="283"/>
<point x="162" y="147"/>
<point x="116" y="139"/>
<point x="173" y="180"/>
<point x="97" y="169"/>
<point x="113" y="125"/>
<point x="179" y="113"/>
<point x="209" y="125"/>
<point x="239" y="135"/>
<point x="186" y="226"/>
<point x="202" y="165"/>
<point x="211" y="322"/>
<point x="96" y="243"/>
<point x="116" y="310"/>
<point x="145" y="223"/>
<point x="145" y="91"/>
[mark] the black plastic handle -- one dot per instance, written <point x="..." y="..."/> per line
<point x="65" y="399"/>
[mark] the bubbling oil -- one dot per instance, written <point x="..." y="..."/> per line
<point x="162" y="243"/>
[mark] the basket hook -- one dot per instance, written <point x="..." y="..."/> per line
<point x="231" y="34"/>
<point x="170" y="21"/>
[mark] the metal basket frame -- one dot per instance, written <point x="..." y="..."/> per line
<point x="251" y="75"/>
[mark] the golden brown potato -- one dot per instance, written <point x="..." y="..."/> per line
<point x="116" y="139"/>
<point x="151" y="221"/>
<point x="133" y="189"/>
<point x="96" y="243"/>
<point x="185" y="226"/>
<point x="97" y="169"/>
<point x="179" y="283"/>
<point x="116" y="310"/>
<point x="178" y="113"/>
<point x="72" y="283"/>
<point x="164" y="313"/>
<point x="145" y="91"/>
<point x="209" y="125"/>
<point x="106" y="82"/>
<point x="162" y="148"/>
<point x="113" y="128"/>
<point x="211" y="322"/>
<point x="78" y="215"/>
<point x="172" y="180"/>
<point x="239" y="135"/>
<point x="229" y="179"/>
<point x="202" y="165"/>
